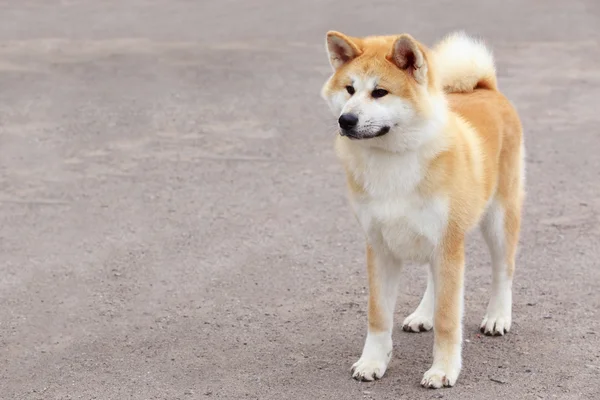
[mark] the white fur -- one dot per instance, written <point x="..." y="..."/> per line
<point x="337" y="101"/>
<point x="375" y="357"/>
<point x="396" y="218"/>
<point x="445" y="368"/>
<point x="463" y="62"/>
<point x="497" y="319"/>
<point x="523" y="162"/>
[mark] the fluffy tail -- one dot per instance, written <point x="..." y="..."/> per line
<point x="464" y="64"/>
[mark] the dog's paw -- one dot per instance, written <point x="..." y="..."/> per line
<point x="368" y="369"/>
<point x="495" y="324"/>
<point x="436" y="378"/>
<point x="417" y="322"/>
<point x="497" y="318"/>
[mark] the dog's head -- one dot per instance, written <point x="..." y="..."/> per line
<point x="382" y="91"/>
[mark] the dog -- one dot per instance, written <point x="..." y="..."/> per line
<point x="431" y="149"/>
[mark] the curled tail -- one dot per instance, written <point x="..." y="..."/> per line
<point x="464" y="64"/>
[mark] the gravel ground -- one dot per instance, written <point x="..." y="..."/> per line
<point x="173" y="220"/>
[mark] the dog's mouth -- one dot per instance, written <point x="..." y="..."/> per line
<point x="353" y="134"/>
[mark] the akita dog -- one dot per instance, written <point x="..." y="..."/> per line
<point x="431" y="148"/>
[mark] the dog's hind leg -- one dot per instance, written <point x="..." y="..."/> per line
<point x="500" y="228"/>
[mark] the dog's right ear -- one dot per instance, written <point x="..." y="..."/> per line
<point x="341" y="49"/>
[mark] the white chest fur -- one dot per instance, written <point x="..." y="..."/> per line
<point x="396" y="217"/>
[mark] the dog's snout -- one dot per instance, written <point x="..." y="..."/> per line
<point x="348" y="121"/>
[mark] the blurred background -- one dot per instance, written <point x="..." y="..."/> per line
<point x="173" y="220"/>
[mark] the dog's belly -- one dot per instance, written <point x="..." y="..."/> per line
<point x="409" y="229"/>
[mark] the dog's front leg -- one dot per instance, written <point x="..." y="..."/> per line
<point x="384" y="275"/>
<point x="448" y="277"/>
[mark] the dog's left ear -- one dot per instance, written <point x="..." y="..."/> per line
<point x="407" y="55"/>
<point x="341" y="49"/>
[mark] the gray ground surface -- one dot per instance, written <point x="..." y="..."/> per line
<point x="173" y="221"/>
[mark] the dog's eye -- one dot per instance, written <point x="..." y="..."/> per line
<point x="377" y="93"/>
<point x="350" y="90"/>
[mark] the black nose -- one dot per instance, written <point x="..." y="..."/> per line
<point x="348" y="121"/>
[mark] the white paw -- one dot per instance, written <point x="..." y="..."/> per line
<point x="375" y="357"/>
<point x="436" y="377"/>
<point x="368" y="369"/>
<point x="417" y="322"/>
<point x="497" y="318"/>
<point x="495" y="324"/>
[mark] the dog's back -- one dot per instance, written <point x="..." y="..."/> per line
<point x="468" y="76"/>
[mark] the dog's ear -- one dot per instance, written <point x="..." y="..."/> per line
<point x="341" y="49"/>
<point x="407" y="55"/>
